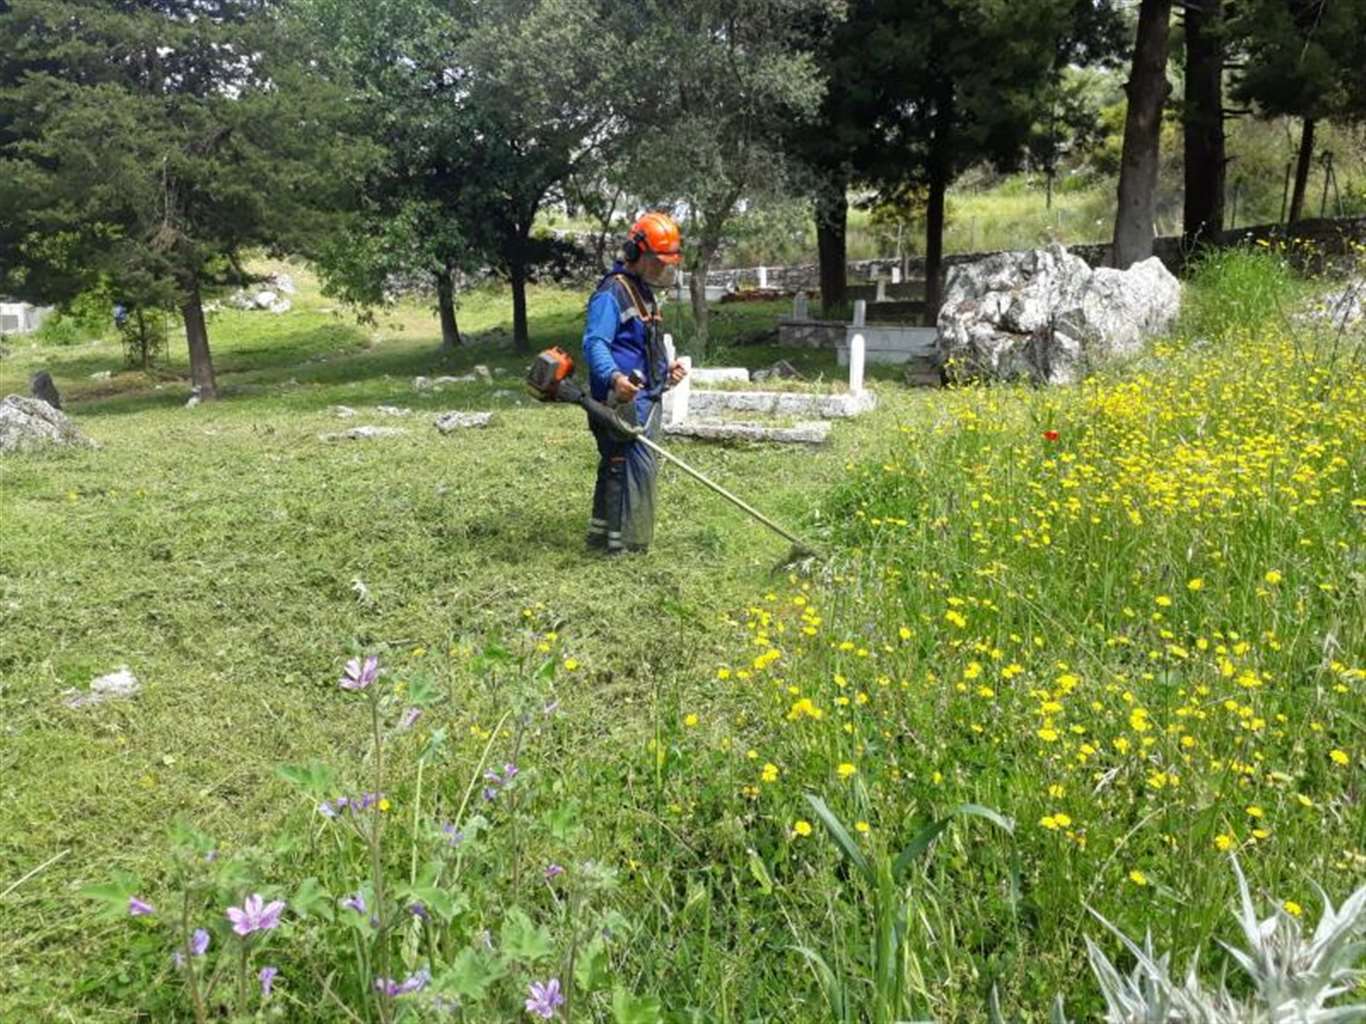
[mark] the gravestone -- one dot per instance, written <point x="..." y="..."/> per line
<point x="41" y="387"/>
<point x="781" y="370"/>
<point x="896" y="275"/>
<point x="763" y="277"/>
<point x="860" y="312"/>
<point x="676" y="399"/>
<point x="881" y="290"/>
<point x="856" y="364"/>
<point x="800" y="310"/>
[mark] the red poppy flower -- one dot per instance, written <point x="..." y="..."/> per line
<point x="1050" y="435"/>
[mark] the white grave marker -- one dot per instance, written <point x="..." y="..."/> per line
<point x="896" y="275"/>
<point x="678" y="395"/>
<point x="763" y="277"/>
<point x="856" y="364"/>
<point x="860" y="312"/>
<point x="881" y="290"/>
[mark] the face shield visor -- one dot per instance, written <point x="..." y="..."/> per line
<point x="659" y="270"/>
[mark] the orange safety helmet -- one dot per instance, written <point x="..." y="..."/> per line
<point x="656" y="233"/>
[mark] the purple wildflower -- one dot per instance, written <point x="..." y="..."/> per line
<point x="550" y="708"/>
<point x="267" y="977"/>
<point x="356" y="903"/>
<point x="255" y="915"/>
<point x="509" y="772"/>
<point x="199" y="942"/>
<point x="454" y="837"/>
<point x="409" y="719"/>
<point x="413" y="983"/>
<point x="544" y="999"/>
<point x="553" y="871"/>
<point x="327" y="810"/>
<point x="137" y="908"/>
<point x="490" y="794"/>
<point x="359" y="674"/>
<point x="418" y="910"/>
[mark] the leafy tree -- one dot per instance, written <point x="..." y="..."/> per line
<point x="145" y="144"/>
<point x="1069" y="129"/>
<point x="1305" y="59"/>
<point x="911" y="103"/>
<point x="715" y="84"/>
<point x="1147" y="91"/>
<point x="397" y="63"/>
<point x="954" y="108"/>
<point x="851" y="49"/>
<point x="544" y="78"/>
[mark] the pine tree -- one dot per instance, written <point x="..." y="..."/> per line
<point x="144" y="145"/>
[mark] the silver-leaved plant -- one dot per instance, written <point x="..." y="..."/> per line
<point x="1294" y="976"/>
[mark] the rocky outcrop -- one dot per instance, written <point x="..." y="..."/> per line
<point x="1045" y="315"/>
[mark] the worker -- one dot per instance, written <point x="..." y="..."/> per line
<point x="623" y="345"/>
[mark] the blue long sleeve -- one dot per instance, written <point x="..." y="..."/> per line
<point x="599" y="329"/>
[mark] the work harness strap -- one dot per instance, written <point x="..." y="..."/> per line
<point x="649" y="316"/>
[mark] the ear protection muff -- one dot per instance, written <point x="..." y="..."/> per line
<point x="634" y="248"/>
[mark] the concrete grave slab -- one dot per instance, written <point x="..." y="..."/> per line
<point x="810" y="432"/>
<point x="780" y="403"/>
<point x="719" y="374"/>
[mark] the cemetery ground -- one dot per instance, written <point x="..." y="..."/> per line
<point x="1126" y="617"/>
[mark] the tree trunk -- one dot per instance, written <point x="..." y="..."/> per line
<point x="1147" y="91"/>
<point x="934" y="244"/>
<point x="445" y="304"/>
<point x="697" y="293"/>
<point x="517" y="275"/>
<point x="1302" y="170"/>
<point x="197" y="337"/>
<point x="832" y="222"/>
<point x="1205" y="163"/>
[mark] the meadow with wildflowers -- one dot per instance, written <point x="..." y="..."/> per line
<point x="1081" y="660"/>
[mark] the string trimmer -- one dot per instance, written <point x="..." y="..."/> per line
<point x="551" y="379"/>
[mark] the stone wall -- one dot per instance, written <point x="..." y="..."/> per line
<point x="1326" y="238"/>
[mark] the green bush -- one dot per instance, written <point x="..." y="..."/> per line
<point x="59" y="329"/>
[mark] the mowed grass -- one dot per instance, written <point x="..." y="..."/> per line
<point x="1140" y="639"/>
<point x="232" y="560"/>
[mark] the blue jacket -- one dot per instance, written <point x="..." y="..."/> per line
<point x="615" y="338"/>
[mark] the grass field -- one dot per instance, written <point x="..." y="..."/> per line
<point x="1126" y="617"/>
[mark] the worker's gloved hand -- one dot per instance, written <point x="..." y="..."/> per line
<point x="677" y="371"/>
<point x="622" y="387"/>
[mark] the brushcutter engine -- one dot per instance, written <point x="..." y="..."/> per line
<point x="549" y="375"/>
